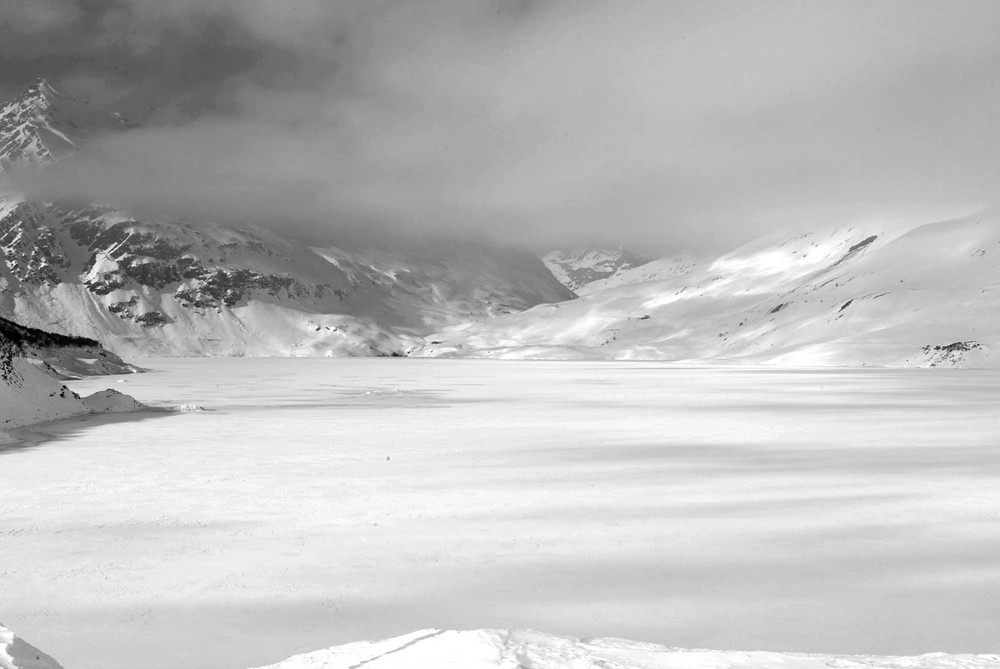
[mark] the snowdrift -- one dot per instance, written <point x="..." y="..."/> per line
<point x="498" y="649"/>
<point x="15" y="653"/>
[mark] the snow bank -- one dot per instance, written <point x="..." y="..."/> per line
<point x="496" y="649"/>
<point x="501" y="649"/>
<point x="15" y="653"/>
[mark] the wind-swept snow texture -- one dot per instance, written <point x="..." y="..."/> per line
<point x="322" y="501"/>
<point x="499" y="649"/>
<point x="854" y="296"/>
<point x="15" y="653"/>
<point x="164" y="286"/>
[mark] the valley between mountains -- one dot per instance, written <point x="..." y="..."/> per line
<point x="859" y="295"/>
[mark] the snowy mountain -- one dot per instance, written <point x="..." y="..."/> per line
<point x="498" y="649"/>
<point x="655" y="270"/>
<point x="580" y="267"/>
<point x="16" y="653"/>
<point x="929" y="296"/>
<point x="45" y="124"/>
<point x="172" y="287"/>
<point x="31" y="361"/>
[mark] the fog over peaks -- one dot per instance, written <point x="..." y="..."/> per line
<point x="654" y="125"/>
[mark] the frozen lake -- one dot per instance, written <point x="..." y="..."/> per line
<point x="326" y="501"/>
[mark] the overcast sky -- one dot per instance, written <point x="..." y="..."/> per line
<point x="649" y="123"/>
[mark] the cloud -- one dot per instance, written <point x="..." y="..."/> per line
<point x="657" y="125"/>
<point x="39" y="16"/>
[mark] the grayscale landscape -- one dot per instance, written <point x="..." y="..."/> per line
<point x="499" y="334"/>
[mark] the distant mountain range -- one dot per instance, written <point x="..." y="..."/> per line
<point x="179" y="287"/>
<point x="928" y="296"/>
<point x="860" y="295"/>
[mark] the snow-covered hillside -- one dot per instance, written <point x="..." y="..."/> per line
<point x="499" y="649"/>
<point x="667" y="267"/>
<point x="580" y="267"/>
<point x="854" y="296"/>
<point x="16" y="653"/>
<point x="171" y="287"/>
<point x="62" y="356"/>
<point x="29" y="393"/>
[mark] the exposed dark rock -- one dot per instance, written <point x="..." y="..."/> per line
<point x="22" y="335"/>
<point x="956" y="347"/>
<point x="863" y="243"/>
<point x="152" y="319"/>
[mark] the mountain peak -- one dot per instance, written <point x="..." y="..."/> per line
<point x="578" y="267"/>
<point x="46" y="124"/>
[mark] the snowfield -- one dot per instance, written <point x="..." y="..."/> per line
<point x="316" y="502"/>
<point x="500" y="649"/>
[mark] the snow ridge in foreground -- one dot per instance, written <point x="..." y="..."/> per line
<point x="16" y="654"/>
<point x="499" y="649"/>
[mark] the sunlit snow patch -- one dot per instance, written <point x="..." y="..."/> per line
<point x="495" y="649"/>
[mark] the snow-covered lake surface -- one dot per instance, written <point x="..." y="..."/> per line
<point x="324" y="501"/>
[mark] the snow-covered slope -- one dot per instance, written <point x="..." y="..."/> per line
<point x="171" y="287"/>
<point x="62" y="356"/>
<point x="16" y="653"/>
<point x="498" y="649"/>
<point x="854" y="296"/>
<point x="667" y="267"/>
<point x="29" y="393"/>
<point x="577" y="268"/>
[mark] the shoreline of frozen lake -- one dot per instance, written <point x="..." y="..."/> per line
<point x="326" y="501"/>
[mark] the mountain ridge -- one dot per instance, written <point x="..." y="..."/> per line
<point x="45" y="124"/>
<point x="854" y="296"/>
<point x="580" y="267"/>
<point x="168" y="286"/>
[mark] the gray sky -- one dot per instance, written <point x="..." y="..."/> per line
<point x="650" y="123"/>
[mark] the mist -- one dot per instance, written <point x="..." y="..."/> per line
<point x="657" y="126"/>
